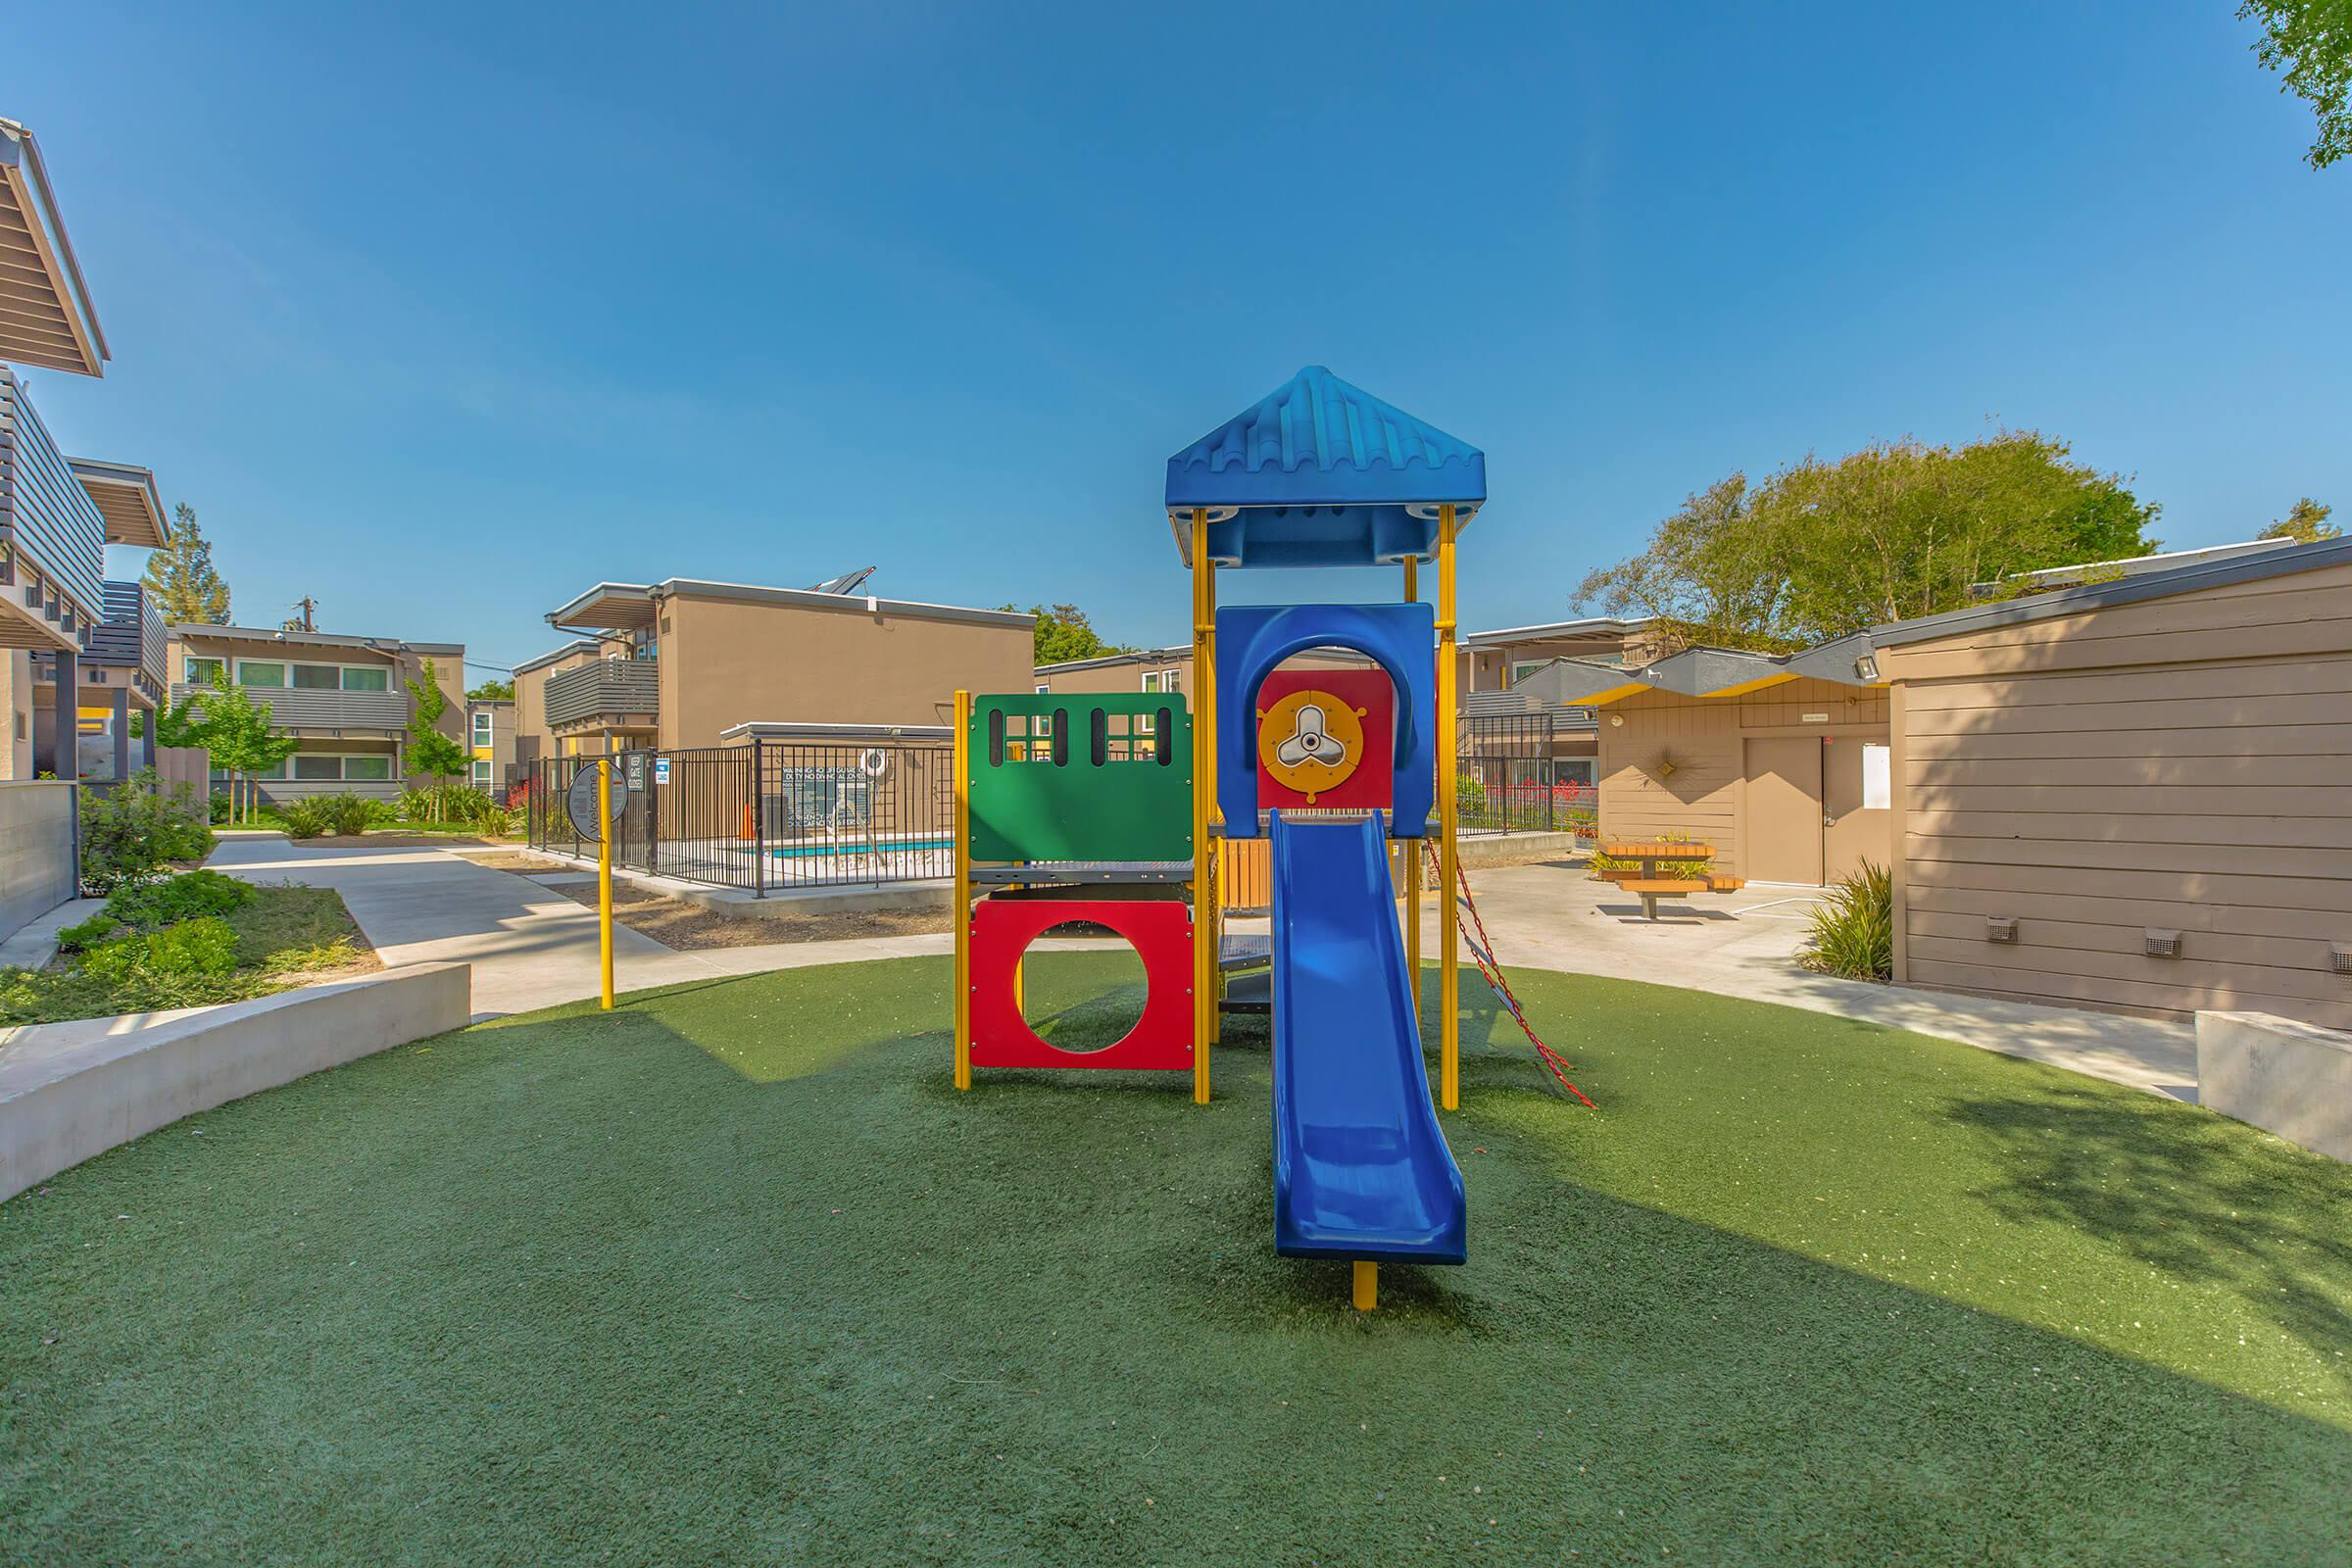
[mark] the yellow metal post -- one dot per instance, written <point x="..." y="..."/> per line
<point x="604" y="870"/>
<point x="1412" y="849"/>
<point x="1450" y="979"/>
<point x="1204" y="790"/>
<point x="1211" y="877"/>
<point x="1366" y="1284"/>
<point x="960" y="910"/>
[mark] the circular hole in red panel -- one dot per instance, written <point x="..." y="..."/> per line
<point x="1082" y="1000"/>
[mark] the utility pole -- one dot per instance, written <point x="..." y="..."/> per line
<point x="309" y="618"/>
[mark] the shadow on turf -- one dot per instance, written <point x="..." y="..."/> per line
<point x="2188" y="1196"/>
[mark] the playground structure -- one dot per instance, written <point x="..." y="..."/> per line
<point x="1066" y="809"/>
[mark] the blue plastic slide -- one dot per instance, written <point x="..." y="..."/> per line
<point x="1361" y="1167"/>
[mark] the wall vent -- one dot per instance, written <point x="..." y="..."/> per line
<point x="2163" y="944"/>
<point x="2339" y="960"/>
<point x="2000" y="928"/>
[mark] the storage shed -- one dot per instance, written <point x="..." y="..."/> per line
<point x="2135" y="794"/>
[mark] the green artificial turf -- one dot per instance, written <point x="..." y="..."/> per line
<point x="734" y="1276"/>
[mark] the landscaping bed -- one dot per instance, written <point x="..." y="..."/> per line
<point x="733" y="1274"/>
<point x="189" y="941"/>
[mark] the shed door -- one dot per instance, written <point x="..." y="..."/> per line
<point x="1782" y="837"/>
<point x="1856" y="803"/>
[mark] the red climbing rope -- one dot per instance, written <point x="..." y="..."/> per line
<point x="1482" y="948"/>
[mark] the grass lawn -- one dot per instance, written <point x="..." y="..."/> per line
<point x="286" y="936"/>
<point x="734" y="1276"/>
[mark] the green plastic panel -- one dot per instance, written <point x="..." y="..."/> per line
<point x="1081" y="776"/>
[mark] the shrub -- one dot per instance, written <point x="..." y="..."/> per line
<point x="1853" y="927"/>
<point x="414" y="806"/>
<point x="205" y="948"/>
<point x="192" y="895"/>
<point x="88" y="934"/>
<point x="131" y="832"/>
<point x="496" y="822"/>
<point x="307" y="817"/>
<point x="462" y="805"/>
<point x="222" y="807"/>
<point x="354" y="813"/>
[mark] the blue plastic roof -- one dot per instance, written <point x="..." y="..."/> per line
<point x="1322" y="474"/>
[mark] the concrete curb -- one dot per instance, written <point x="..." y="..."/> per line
<point x="72" y="1091"/>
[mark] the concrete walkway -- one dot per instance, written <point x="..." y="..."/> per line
<point x="1555" y="916"/>
<point x="529" y="947"/>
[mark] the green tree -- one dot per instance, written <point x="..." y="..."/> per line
<point x="182" y="577"/>
<point x="2309" y="42"/>
<point x="492" y="691"/>
<point x="1900" y="529"/>
<point x="1064" y="633"/>
<point x="430" y="752"/>
<point x="235" y="731"/>
<point x="2306" y="523"/>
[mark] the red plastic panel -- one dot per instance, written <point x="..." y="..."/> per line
<point x="1160" y="930"/>
<point x="1364" y="737"/>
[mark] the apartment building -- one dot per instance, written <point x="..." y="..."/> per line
<point x="83" y="654"/>
<point x="490" y="732"/>
<point x="346" y="699"/>
<point x="681" y="663"/>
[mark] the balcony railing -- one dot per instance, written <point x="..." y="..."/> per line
<point x="297" y="708"/>
<point x="52" y="538"/>
<point x="609" y="688"/>
<point x="129" y="637"/>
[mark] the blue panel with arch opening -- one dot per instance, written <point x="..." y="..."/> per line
<point x="1252" y="639"/>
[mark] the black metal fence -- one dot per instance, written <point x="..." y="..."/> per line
<point x="769" y="815"/>
<point x="1506" y="767"/>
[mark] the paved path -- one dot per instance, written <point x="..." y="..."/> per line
<point x="1742" y="945"/>
<point x="533" y="947"/>
<point x="530" y="947"/>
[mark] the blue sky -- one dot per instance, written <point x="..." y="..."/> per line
<point x="443" y="313"/>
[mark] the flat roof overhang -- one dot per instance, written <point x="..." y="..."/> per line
<point x="607" y="606"/>
<point x="46" y="318"/>
<point x="389" y="646"/>
<point x="126" y="496"/>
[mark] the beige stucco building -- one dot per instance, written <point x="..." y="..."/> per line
<point x="681" y="663"/>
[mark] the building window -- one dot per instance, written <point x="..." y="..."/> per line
<point x="1042" y="690"/>
<point x="482" y="772"/>
<point x="309" y="768"/>
<point x="368" y="769"/>
<point x="256" y="673"/>
<point x="317" y="678"/>
<point x="203" y="671"/>
<point x="367" y="678"/>
<point x="1159" y="680"/>
<point x="481" y="726"/>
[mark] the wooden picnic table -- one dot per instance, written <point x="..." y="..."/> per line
<point x="1652" y="885"/>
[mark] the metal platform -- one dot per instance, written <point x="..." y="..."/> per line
<point x="1068" y="873"/>
<point x="1246" y="950"/>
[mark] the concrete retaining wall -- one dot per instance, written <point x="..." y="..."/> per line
<point x="37" y="869"/>
<point x="72" y="1091"/>
<point x="2288" y="1077"/>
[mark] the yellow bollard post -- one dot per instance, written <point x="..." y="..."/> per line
<point x="1450" y="979"/>
<point x="1366" y="1284"/>
<point x="1205" y="791"/>
<point x="960" y="910"/>
<point x="604" y="868"/>
<point x="1412" y="849"/>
